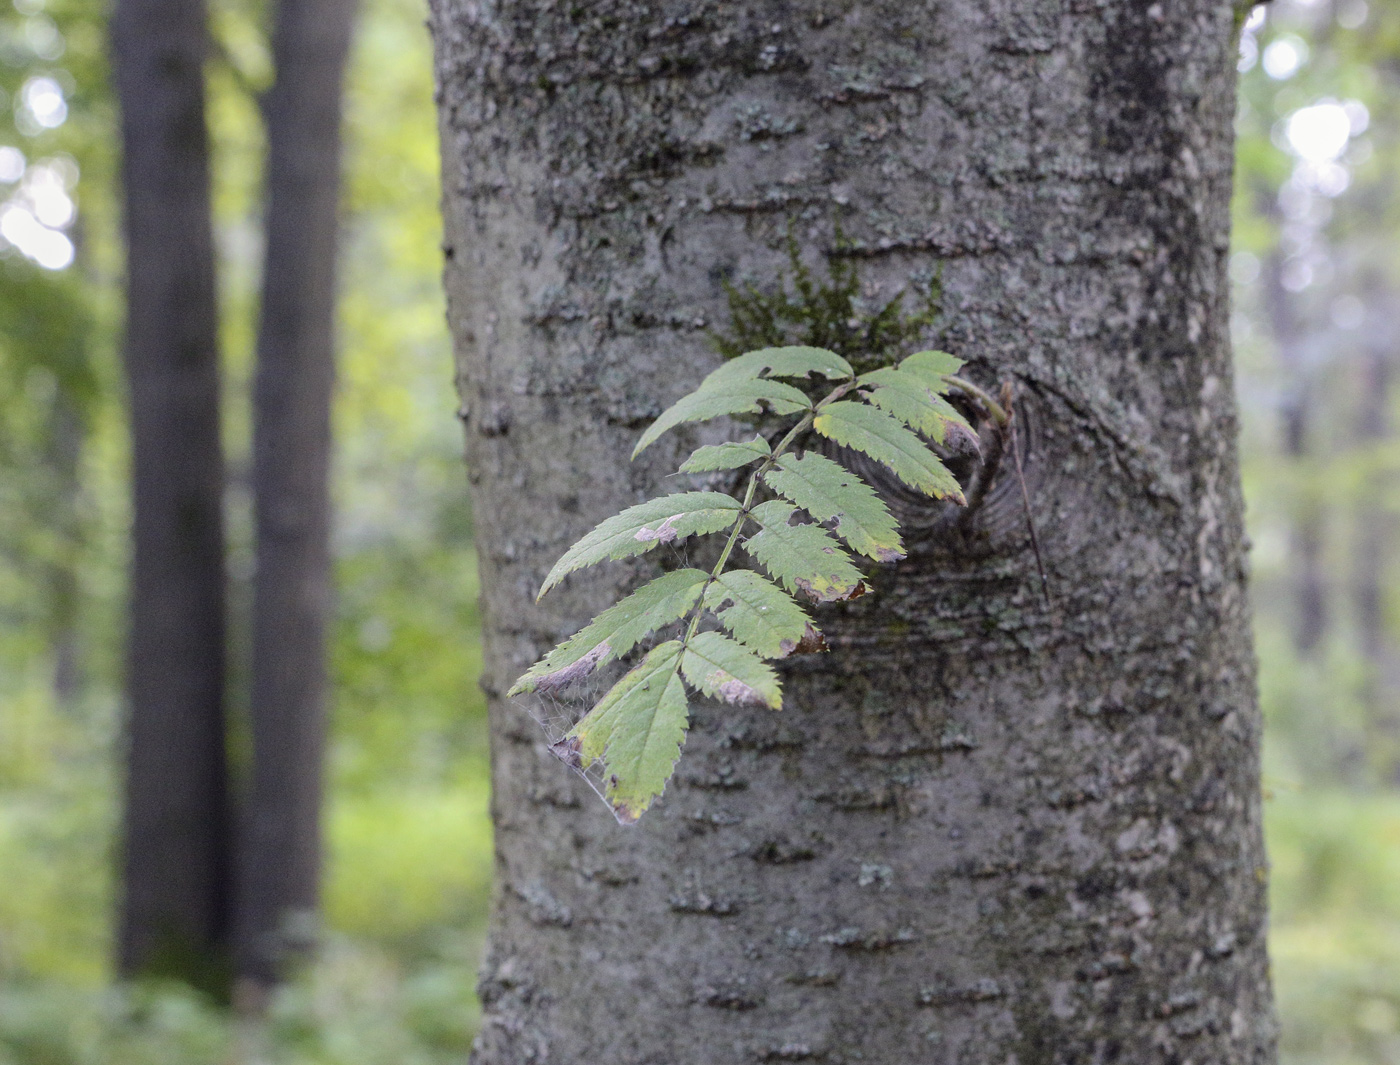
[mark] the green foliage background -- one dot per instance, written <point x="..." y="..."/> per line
<point x="408" y="875"/>
<point x="409" y="861"/>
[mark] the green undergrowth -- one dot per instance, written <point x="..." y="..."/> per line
<point x="360" y="1005"/>
<point x="408" y="853"/>
<point x="1335" y="925"/>
<point x="407" y="885"/>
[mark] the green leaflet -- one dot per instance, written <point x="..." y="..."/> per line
<point x="636" y="730"/>
<point x="726" y="456"/>
<point x="742" y="395"/>
<point x="723" y="669"/>
<point x="640" y="528"/>
<point x="783" y="362"/>
<point x="863" y="428"/>
<point x="616" y="631"/>
<point x="913" y="401"/>
<point x="933" y="366"/>
<point x="826" y="490"/>
<point x="758" y="613"/>
<point x="803" y="558"/>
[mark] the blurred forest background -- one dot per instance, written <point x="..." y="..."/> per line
<point x="1316" y="277"/>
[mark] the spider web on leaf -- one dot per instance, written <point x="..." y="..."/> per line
<point x="557" y="710"/>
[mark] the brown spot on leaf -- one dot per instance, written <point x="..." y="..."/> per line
<point x="811" y="642"/>
<point x="574" y="671"/>
<point x="958" y="437"/>
<point x="733" y="690"/>
<point x="568" y="750"/>
<point x="625" y="813"/>
<point x="888" y="554"/>
<point x="834" y="593"/>
<point x="663" y="533"/>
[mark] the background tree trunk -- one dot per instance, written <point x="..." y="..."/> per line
<point x="280" y="859"/>
<point x="981" y="830"/>
<point x="175" y="865"/>
<point x="1374" y="533"/>
<point x="46" y="329"/>
<point x="1296" y="416"/>
<point x="66" y="439"/>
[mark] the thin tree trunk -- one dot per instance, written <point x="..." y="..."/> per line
<point x="73" y="360"/>
<point x="66" y="438"/>
<point x="280" y="861"/>
<point x="981" y="831"/>
<point x="1374" y="534"/>
<point x="176" y="853"/>
<point x="1310" y="580"/>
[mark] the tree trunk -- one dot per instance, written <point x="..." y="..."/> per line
<point x="280" y="860"/>
<point x="1374" y="534"/>
<point x="1296" y="411"/>
<point x="981" y="830"/>
<point x="176" y="870"/>
<point x="65" y="452"/>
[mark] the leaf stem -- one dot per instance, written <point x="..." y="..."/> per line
<point x="998" y="413"/>
<point x="786" y="442"/>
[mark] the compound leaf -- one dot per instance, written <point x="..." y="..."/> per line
<point x="640" y="528"/>
<point x="827" y="490"/>
<point x="783" y="362"/>
<point x="729" y="456"/>
<point x="742" y="395"/>
<point x="636" y="730"/>
<point x="758" y="613"/>
<point x="863" y="428"/>
<point x="616" y="631"/>
<point x="912" y="400"/>
<point x="723" y="669"/>
<point x="803" y="558"/>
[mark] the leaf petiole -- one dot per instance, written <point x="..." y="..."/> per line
<point x="787" y="441"/>
<point x="999" y="414"/>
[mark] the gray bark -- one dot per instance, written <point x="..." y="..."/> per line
<point x="981" y="830"/>
<point x="174" y="914"/>
<point x="281" y="855"/>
